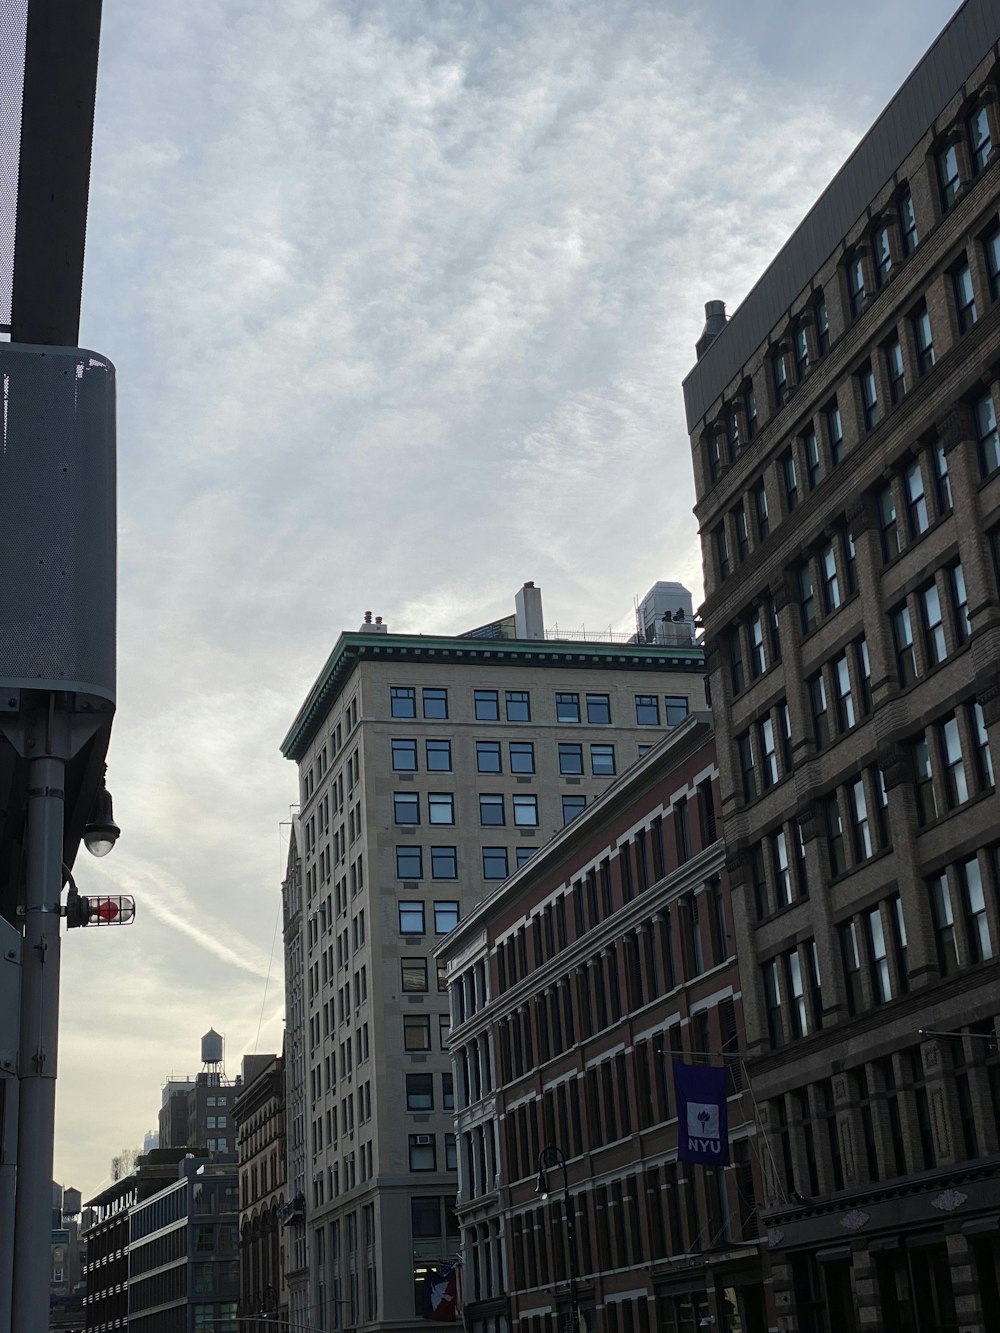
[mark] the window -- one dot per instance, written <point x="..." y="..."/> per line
<point x="933" y="625"/>
<point x="800" y="346"/>
<point x="991" y="246"/>
<point x="411" y="918"/>
<point x="917" y="517"/>
<point x="835" y="431"/>
<point x="768" y="754"/>
<point x="902" y="635"/>
<point x="850" y="558"/>
<point x="750" y="404"/>
<point x="567" y="708"/>
<point x="860" y="827"/>
<point x="789" y="480"/>
<point x="420" y="1092"/>
<point x="572" y="806"/>
<point x="796" y="994"/>
<point x="986" y="433"/>
<point x="822" y="327"/>
<point x="758" y="663"/>
<point x="782" y="869"/>
<point x="923" y="338"/>
<point x="445" y="916"/>
<point x="895" y="370"/>
<point x="844" y="696"/>
<point x="438" y="756"/>
<point x="814" y="461"/>
<point x="447" y="1092"/>
<point x="869" y="396"/>
<point x="856" y="285"/>
<point x="402" y="701"/>
<point x="852" y="966"/>
<point x="881" y="255"/>
<point x="491" y="809"/>
<point x="525" y="811"/>
<point x="488" y="757"/>
<point x="435" y="703"/>
<point x="405" y="807"/>
<point x="951" y="748"/>
<point x="948" y="177"/>
<point x="742" y="532"/>
<point x="759" y="501"/>
<point x="732" y="434"/>
<point x="713" y="444"/>
<point x="414" y="974"/>
<point x="835" y="836"/>
<point x="881" y="977"/>
<point x="908" y="224"/>
<point x="944" y="925"/>
<point x="404" y="756"/>
<point x="744" y="750"/>
<point x="450" y="1153"/>
<point x="980" y="142"/>
<point x="487" y="704"/>
<point x="675" y="709"/>
<point x="831" y="584"/>
<point x="965" y="298"/>
<point x="977" y="926"/>
<point x="721" y="542"/>
<point x="518" y="706"/>
<point x="522" y="854"/>
<point x="820" y="712"/>
<point x="923" y="776"/>
<point x="942" y="479"/>
<point x="647" y="710"/>
<point x="440" y="807"/>
<point x="570" y="758"/>
<point x="409" y="863"/>
<point x="522" y="756"/>
<point x="736" y="675"/>
<point x="598" y="708"/>
<point x="494" y="863"/>
<point x="864" y="675"/>
<point x="888" y="527"/>
<point x="772" y="1003"/>
<point x="779" y="368"/>
<point x="416" y="1032"/>
<point x="981" y="744"/>
<point x="807" y="598"/>
<point x="602" y="760"/>
<point x="444" y="863"/>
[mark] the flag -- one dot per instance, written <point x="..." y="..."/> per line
<point x="702" y="1120"/>
<point x="441" y="1294"/>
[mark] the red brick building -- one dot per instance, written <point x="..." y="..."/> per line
<point x="572" y="987"/>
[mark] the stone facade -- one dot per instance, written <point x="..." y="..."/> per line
<point x="847" y="471"/>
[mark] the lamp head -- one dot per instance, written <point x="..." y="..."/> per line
<point x="542" y="1185"/>
<point x="101" y="832"/>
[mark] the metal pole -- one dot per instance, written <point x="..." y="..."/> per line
<point x="39" y="1037"/>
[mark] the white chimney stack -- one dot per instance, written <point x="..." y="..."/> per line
<point x="528" y="622"/>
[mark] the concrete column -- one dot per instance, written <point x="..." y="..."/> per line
<point x="965" y="1285"/>
<point x="866" y="1293"/>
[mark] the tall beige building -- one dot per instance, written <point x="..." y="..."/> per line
<point x="430" y="767"/>
<point x="847" y="464"/>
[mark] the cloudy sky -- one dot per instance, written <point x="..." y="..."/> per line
<point x="400" y="294"/>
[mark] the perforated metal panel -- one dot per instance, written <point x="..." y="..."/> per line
<point x="57" y="520"/>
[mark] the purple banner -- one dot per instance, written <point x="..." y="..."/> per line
<point x="702" y="1120"/>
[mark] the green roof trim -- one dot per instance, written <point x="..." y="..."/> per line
<point x="351" y="648"/>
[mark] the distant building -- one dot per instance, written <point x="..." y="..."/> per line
<point x="195" y="1111"/>
<point x="430" y="767"/>
<point x="183" y="1253"/>
<point x="106" y="1237"/>
<point x="259" y="1117"/>
<point x="67" y="1286"/>
<point x="847" y="465"/>
<point x="573" y="987"/>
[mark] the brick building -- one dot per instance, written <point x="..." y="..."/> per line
<point x="572" y="987"/>
<point x="258" y="1115"/>
<point x="847" y="468"/>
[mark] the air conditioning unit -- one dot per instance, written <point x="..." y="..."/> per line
<point x="423" y="1139"/>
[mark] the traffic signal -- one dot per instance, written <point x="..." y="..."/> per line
<point x="108" y="911"/>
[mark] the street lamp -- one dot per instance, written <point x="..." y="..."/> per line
<point x="551" y="1156"/>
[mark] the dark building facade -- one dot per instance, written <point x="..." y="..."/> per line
<point x="847" y="464"/>
<point x="259" y="1118"/>
<point x="573" y="987"/>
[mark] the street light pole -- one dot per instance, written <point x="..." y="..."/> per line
<point x="552" y="1155"/>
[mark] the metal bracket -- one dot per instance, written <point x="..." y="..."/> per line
<point x="10" y="997"/>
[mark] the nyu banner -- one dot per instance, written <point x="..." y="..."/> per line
<point x="702" y="1122"/>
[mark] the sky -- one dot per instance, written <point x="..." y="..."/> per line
<point x="400" y="295"/>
